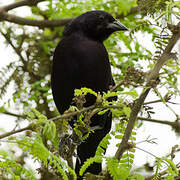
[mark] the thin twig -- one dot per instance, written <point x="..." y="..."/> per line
<point x="174" y="124"/>
<point x="114" y="88"/>
<point x="14" y="114"/>
<point x="146" y="151"/>
<point x="18" y="52"/>
<point x="156" y="121"/>
<point x="152" y="102"/>
<point x="15" y="132"/>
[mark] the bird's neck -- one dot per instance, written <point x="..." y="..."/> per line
<point x="79" y="35"/>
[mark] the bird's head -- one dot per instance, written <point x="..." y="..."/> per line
<point x="97" y="25"/>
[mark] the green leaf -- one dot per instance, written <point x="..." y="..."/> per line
<point x="119" y="136"/>
<point x="2" y="109"/>
<point x="103" y="145"/>
<point x="139" y="177"/>
<point x="88" y="162"/>
<point x="49" y="130"/>
<point x="127" y="111"/>
<point x="172" y="165"/>
<point x="84" y="91"/>
<point x="115" y="170"/>
<point x="40" y="116"/>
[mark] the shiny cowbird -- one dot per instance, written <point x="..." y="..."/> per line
<point x="81" y="60"/>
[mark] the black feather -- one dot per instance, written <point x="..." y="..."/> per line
<point x="81" y="60"/>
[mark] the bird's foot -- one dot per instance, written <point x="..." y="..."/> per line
<point x="68" y="144"/>
<point x="65" y="146"/>
<point x="94" y="128"/>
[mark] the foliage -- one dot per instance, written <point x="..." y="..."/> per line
<point x="29" y="73"/>
<point x="39" y="152"/>
<point x="13" y="169"/>
<point x="171" y="168"/>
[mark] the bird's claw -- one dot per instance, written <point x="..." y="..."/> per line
<point x="67" y="145"/>
<point x="94" y="128"/>
<point x="64" y="146"/>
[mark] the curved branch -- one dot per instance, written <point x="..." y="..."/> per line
<point x="5" y="16"/>
<point x="21" y="3"/>
<point x="38" y="23"/>
<point x="64" y="116"/>
<point x="138" y="103"/>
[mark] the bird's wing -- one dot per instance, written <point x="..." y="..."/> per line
<point x="79" y="64"/>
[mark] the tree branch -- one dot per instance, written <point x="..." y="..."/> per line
<point x="70" y="114"/>
<point x="138" y="103"/>
<point x="64" y="116"/>
<point x="13" y="114"/>
<point x="21" y="3"/>
<point x="134" y="112"/>
<point x="175" y="124"/>
<point x="5" y="16"/>
<point x="166" y="98"/>
<point x="166" y="54"/>
<point x="39" y="23"/>
<point x="15" y="132"/>
<point x="17" y="50"/>
<point x="114" y="88"/>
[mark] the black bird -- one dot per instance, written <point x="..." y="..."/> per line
<point x="81" y="60"/>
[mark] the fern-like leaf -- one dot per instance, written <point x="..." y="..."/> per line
<point x="103" y="145"/>
<point x="88" y="162"/>
<point x="115" y="170"/>
<point x="40" y="152"/>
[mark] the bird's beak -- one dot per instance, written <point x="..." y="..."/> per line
<point x="117" y="26"/>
